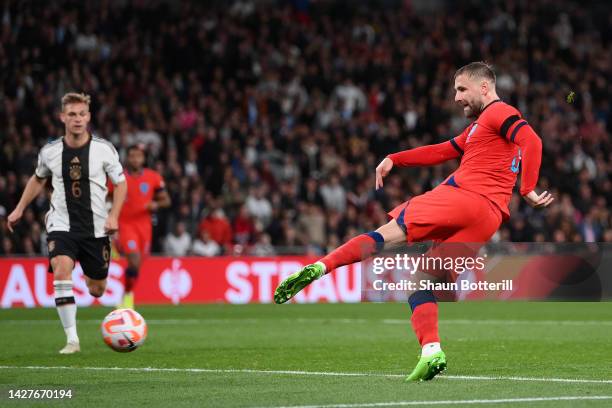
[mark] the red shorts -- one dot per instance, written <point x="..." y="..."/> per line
<point x="135" y="237"/>
<point x="448" y="214"/>
<point x="458" y="221"/>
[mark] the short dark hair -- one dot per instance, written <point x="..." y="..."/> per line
<point x="137" y="146"/>
<point x="478" y="69"/>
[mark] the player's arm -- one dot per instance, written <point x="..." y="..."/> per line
<point x="161" y="198"/>
<point x="114" y="171"/>
<point x="510" y="125"/>
<point x="522" y="134"/>
<point x="34" y="186"/>
<point x="32" y="189"/>
<point x="119" y="194"/>
<point x="429" y="155"/>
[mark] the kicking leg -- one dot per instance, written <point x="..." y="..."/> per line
<point x="361" y="247"/>
<point x="62" y="266"/>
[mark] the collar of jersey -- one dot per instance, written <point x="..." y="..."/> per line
<point x="489" y="104"/>
<point x="91" y="136"/>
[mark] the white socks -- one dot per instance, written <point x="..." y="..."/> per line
<point x="429" y="349"/>
<point x="66" y="308"/>
<point x="323" y="266"/>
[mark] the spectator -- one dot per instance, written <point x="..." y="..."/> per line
<point x="334" y="195"/>
<point x="218" y="227"/>
<point x="259" y="206"/>
<point x="204" y="246"/>
<point x="262" y="246"/>
<point x="292" y="121"/>
<point x="178" y="242"/>
<point x="243" y="227"/>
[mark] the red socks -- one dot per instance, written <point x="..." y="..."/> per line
<point x="425" y="323"/>
<point x="130" y="282"/>
<point x="131" y="276"/>
<point x="424" y="316"/>
<point x="361" y="247"/>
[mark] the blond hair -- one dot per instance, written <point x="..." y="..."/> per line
<point x="73" y="97"/>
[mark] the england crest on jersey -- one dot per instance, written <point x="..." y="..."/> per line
<point x="472" y="130"/>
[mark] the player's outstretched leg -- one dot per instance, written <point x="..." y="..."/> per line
<point x="358" y="248"/>
<point x="425" y="326"/>
<point x="361" y="247"/>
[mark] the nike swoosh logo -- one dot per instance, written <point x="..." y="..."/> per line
<point x="132" y="345"/>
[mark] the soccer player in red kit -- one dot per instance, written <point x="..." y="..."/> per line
<point x="468" y="207"/>
<point x="146" y="194"/>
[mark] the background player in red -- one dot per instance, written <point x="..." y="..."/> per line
<point x="468" y="207"/>
<point x="146" y="194"/>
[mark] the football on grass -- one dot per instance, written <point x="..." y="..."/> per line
<point x="124" y="330"/>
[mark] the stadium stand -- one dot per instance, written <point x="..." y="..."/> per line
<point x="268" y="118"/>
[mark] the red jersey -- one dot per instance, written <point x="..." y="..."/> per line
<point x="492" y="149"/>
<point x="141" y="189"/>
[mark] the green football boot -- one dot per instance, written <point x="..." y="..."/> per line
<point x="296" y="282"/>
<point x="428" y="367"/>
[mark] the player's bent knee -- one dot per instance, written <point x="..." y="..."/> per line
<point x="421" y="297"/>
<point x="96" y="289"/>
<point x="392" y="233"/>
<point x="131" y="272"/>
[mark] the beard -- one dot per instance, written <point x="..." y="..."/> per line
<point x="468" y="111"/>
<point x="133" y="169"/>
<point x="472" y="110"/>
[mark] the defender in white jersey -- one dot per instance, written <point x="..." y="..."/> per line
<point x="77" y="223"/>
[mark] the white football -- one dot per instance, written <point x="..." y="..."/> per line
<point x="124" y="330"/>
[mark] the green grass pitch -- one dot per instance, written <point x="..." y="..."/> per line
<point x="257" y="355"/>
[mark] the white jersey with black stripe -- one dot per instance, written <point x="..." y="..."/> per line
<point x="78" y="177"/>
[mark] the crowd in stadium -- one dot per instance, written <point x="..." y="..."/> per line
<point x="267" y="119"/>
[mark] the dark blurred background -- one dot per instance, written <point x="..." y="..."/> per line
<point x="267" y="118"/>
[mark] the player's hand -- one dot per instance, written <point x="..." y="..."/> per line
<point x="112" y="225"/>
<point x="14" y="218"/>
<point x="539" y="201"/>
<point x="152" y="206"/>
<point x="382" y="170"/>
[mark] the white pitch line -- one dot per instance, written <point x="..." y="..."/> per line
<point x="204" y="370"/>
<point x="308" y="373"/>
<point x="513" y="322"/>
<point x="512" y="378"/>
<point x="202" y="321"/>
<point x="456" y="402"/>
<point x="336" y="320"/>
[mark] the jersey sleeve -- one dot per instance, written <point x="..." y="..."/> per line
<point x="159" y="184"/>
<point x="502" y="118"/>
<point x="508" y="122"/>
<point x="531" y="151"/>
<point x="112" y="166"/>
<point x="42" y="170"/>
<point x="431" y="154"/>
